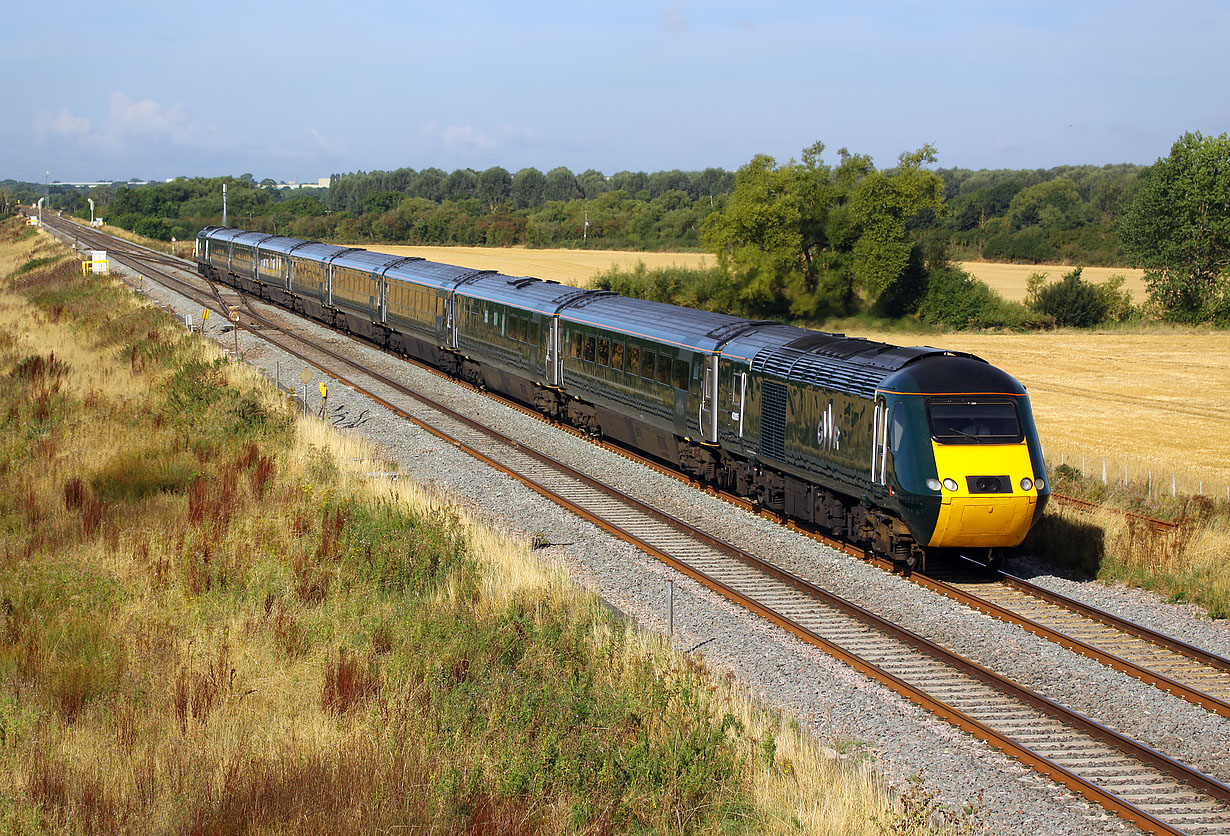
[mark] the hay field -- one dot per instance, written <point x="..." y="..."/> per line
<point x="1008" y="280"/>
<point x="1151" y="401"/>
<point x="575" y="267"/>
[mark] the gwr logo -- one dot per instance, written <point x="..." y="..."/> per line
<point x="828" y="434"/>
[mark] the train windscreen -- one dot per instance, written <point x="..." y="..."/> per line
<point x="974" y="421"/>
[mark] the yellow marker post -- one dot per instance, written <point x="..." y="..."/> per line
<point x="324" y="398"/>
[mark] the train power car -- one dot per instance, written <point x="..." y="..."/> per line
<point x="909" y="451"/>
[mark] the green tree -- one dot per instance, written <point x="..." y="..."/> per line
<point x="560" y="185"/>
<point x="884" y="202"/>
<point x="803" y="237"/>
<point x="1178" y="227"/>
<point x="494" y="187"/>
<point x="527" y="188"/>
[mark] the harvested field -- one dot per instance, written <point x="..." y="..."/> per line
<point x="1008" y="280"/>
<point x="576" y="267"/>
<point x="1151" y="401"/>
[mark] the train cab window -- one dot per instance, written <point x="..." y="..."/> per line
<point x="974" y="421"/>
<point x="664" y="370"/>
<point x="681" y="374"/>
<point x="898" y="430"/>
<point x="589" y="349"/>
<point x="604" y="352"/>
<point x="634" y="359"/>
<point x="575" y="345"/>
<point x="617" y="356"/>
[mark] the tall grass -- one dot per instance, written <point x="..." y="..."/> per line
<point x="212" y="622"/>
<point x="1185" y="563"/>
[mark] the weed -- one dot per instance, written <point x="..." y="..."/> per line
<point x="349" y="683"/>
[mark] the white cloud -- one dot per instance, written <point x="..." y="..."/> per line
<point x="462" y="139"/>
<point x="128" y="124"/>
<point x="65" y="124"/>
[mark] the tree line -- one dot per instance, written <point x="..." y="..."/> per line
<point x="805" y="239"/>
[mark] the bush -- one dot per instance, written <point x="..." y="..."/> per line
<point x="1027" y="245"/>
<point x="1071" y="301"/>
<point x="1074" y="302"/>
<point x="955" y="299"/>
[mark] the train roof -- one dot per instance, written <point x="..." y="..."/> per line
<point x="847" y="364"/>
<point x="524" y="292"/>
<point x="699" y="330"/>
<point x="282" y="244"/>
<point x="432" y="273"/>
<point x="365" y="260"/>
<point x="949" y="373"/>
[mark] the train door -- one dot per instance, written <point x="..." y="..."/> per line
<point x="879" y="442"/>
<point x="738" y="398"/>
<point x="708" y="400"/>
<point x="451" y="322"/>
<point x="554" y="357"/>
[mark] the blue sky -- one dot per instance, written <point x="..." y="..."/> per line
<point x="301" y="90"/>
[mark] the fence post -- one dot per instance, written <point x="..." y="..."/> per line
<point x="670" y="608"/>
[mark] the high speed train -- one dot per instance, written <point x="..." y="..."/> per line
<point x="910" y="452"/>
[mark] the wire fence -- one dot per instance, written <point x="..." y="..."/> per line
<point x="1155" y="480"/>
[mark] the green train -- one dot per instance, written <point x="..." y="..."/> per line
<point x="911" y="452"/>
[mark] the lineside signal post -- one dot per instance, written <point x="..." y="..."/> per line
<point x="233" y="314"/>
<point x="324" y="398"/>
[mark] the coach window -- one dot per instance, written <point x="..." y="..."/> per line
<point x="533" y="335"/>
<point x="647" y="359"/>
<point x="681" y="374"/>
<point x="634" y="359"/>
<point x="604" y="351"/>
<point x="617" y="356"/>
<point x="576" y="345"/>
<point x="664" y="369"/>
<point x="589" y="349"/>
<point x="515" y="326"/>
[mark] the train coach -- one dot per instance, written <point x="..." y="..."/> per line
<point x="909" y="451"/>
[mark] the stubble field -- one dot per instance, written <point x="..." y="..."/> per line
<point x="579" y="267"/>
<point x="1156" y="402"/>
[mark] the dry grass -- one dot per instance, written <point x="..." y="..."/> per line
<point x="1008" y="280"/>
<point x="574" y="267"/>
<point x="1156" y="401"/>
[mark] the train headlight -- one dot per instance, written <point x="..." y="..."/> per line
<point x="933" y="484"/>
<point x="1040" y="484"/>
<point x="950" y="484"/>
<point x="1027" y="484"/>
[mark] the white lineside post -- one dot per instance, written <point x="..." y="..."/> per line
<point x="1173" y="490"/>
<point x="1103" y="471"/>
<point x="670" y="608"/>
<point x="224" y="204"/>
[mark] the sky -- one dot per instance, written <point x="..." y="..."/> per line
<point x="297" y="91"/>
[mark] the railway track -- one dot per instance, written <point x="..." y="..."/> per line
<point x="1133" y="780"/>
